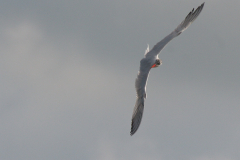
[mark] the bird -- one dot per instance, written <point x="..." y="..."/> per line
<point x="150" y="61"/>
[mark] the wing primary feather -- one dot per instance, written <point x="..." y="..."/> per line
<point x="200" y="9"/>
<point x="137" y="115"/>
<point x="195" y="14"/>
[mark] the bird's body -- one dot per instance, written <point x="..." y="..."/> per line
<point x="151" y="60"/>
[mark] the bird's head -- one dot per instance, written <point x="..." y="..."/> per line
<point x="157" y="63"/>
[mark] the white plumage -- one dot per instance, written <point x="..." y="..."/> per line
<point x="151" y="60"/>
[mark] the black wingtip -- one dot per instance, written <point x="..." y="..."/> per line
<point x="131" y="133"/>
<point x="132" y="129"/>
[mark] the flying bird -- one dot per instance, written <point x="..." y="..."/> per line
<point x="151" y="60"/>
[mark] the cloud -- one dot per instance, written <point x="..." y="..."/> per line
<point x="212" y="158"/>
<point x="67" y="81"/>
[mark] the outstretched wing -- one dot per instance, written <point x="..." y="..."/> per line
<point x="181" y="27"/>
<point x="140" y="85"/>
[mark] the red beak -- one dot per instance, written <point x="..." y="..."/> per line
<point x="153" y="65"/>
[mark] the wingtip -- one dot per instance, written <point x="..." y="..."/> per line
<point x="131" y="133"/>
<point x="132" y="130"/>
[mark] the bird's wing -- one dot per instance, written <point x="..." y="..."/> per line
<point x="140" y="85"/>
<point x="181" y="27"/>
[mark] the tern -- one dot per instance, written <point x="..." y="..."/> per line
<point x="151" y="60"/>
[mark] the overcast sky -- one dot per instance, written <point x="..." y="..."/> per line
<point x="67" y="80"/>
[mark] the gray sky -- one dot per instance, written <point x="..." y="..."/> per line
<point x="67" y="80"/>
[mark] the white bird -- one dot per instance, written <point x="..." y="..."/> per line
<point x="151" y="60"/>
